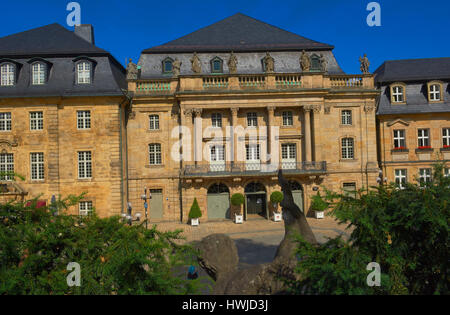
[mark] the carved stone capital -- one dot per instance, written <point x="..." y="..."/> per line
<point x="197" y="112"/>
<point x="234" y="110"/>
<point x="327" y="108"/>
<point x="188" y="112"/>
<point x="307" y="108"/>
<point x="271" y="108"/>
<point x="316" y="108"/>
<point x="368" y="108"/>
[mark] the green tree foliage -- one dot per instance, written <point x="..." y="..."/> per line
<point x="237" y="199"/>
<point x="195" y="211"/>
<point x="406" y="231"/>
<point x="276" y="197"/>
<point x="36" y="247"/>
<point x="318" y="204"/>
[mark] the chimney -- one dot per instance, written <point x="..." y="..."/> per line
<point x="86" y="32"/>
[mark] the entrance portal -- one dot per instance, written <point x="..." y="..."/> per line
<point x="218" y="202"/>
<point x="256" y="201"/>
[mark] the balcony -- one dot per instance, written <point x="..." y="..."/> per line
<point x="253" y="168"/>
<point x="251" y="82"/>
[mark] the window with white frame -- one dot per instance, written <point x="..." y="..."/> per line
<point x="424" y="175"/>
<point x="252" y="120"/>
<point x="400" y="178"/>
<point x="85" y="164"/>
<point x="155" y="154"/>
<point x="38" y="71"/>
<point x="446" y="137"/>
<point x="216" y="120"/>
<point x="85" y="208"/>
<point x="348" y="150"/>
<point x="288" y="155"/>
<point x="154" y="122"/>
<point x="398" y="94"/>
<point x="252" y="152"/>
<point x="84" y="72"/>
<point x="217" y="153"/>
<point x="84" y="119"/>
<point x="399" y="139"/>
<point x="36" y="120"/>
<point x="6" y="165"/>
<point x="5" y="121"/>
<point x="435" y="92"/>
<point x="288" y="119"/>
<point x="7" y="74"/>
<point x="37" y="166"/>
<point x="423" y="137"/>
<point x="346" y="117"/>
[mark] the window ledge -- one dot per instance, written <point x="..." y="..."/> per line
<point x="154" y="166"/>
<point x="85" y="179"/>
<point x="153" y="130"/>
<point x="393" y="151"/>
<point x="445" y="149"/>
<point x="424" y="150"/>
<point x="348" y="160"/>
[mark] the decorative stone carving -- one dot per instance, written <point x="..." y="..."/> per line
<point x="327" y="108"/>
<point x="132" y="70"/>
<point x="269" y="63"/>
<point x="188" y="112"/>
<point x="364" y="64"/>
<point x="309" y="108"/>
<point x="176" y="67"/>
<point x="196" y="64"/>
<point x="305" y="62"/>
<point x="197" y="112"/>
<point x="271" y="108"/>
<point x="234" y="110"/>
<point x="323" y="63"/>
<point x="232" y="63"/>
<point x="368" y="108"/>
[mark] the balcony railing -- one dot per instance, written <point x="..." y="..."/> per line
<point x="152" y="86"/>
<point x="252" y="81"/>
<point x="346" y="81"/>
<point x="215" y="82"/>
<point x="288" y="81"/>
<point x="253" y="168"/>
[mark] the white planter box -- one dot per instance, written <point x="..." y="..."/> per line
<point x="319" y="214"/>
<point x="277" y="217"/>
<point x="194" y="222"/>
<point x="239" y="219"/>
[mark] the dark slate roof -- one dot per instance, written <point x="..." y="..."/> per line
<point x="413" y="70"/>
<point x="239" y="33"/>
<point x="59" y="47"/>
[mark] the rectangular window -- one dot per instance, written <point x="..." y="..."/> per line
<point x="85" y="164"/>
<point x="8" y="74"/>
<point x="400" y="178"/>
<point x="217" y="153"/>
<point x="84" y="119"/>
<point x="252" y="120"/>
<point x="252" y="152"/>
<point x="36" y="121"/>
<point x="435" y="92"/>
<point x="216" y="120"/>
<point x="397" y="93"/>
<point x="349" y="189"/>
<point x="85" y="207"/>
<point x="6" y="165"/>
<point x="5" y="121"/>
<point x="37" y="166"/>
<point x="155" y="154"/>
<point x="424" y="175"/>
<point x="38" y="73"/>
<point x="423" y="137"/>
<point x="84" y="72"/>
<point x="399" y="139"/>
<point x="348" y="150"/>
<point x="288" y="119"/>
<point x="288" y="156"/>
<point x="346" y="117"/>
<point x="154" y="122"/>
<point x="446" y="137"/>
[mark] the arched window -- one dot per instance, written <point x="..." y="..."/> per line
<point x="218" y="189"/>
<point x="38" y="73"/>
<point x="84" y="72"/>
<point x="167" y="65"/>
<point x="216" y="65"/>
<point x="255" y="187"/>
<point x="315" y="63"/>
<point x="295" y="186"/>
<point x="7" y="74"/>
<point x="435" y="91"/>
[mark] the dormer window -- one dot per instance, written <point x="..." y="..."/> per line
<point x="167" y="65"/>
<point x="217" y="65"/>
<point x="39" y="71"/>
<point x="7" y="74"/>
<point x="315" y="63"/>
<point x="398" y="95"/>
<point x="435" y="92"/>
<point x="84" y="72"/>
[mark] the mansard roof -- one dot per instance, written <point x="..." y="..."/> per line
<point x="239" y="33"/>
<point x="413" y="70"/>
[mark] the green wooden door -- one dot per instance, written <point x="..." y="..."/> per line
<point x="219" y="206"/>
<point x="156" y="204"/>
<point x="298" y="198"/>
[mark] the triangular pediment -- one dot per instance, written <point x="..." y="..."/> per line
<point x="398" y="121"/>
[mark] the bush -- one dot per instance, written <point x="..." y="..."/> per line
<point x="318" y="204"/>
<point x="195" y="211"/>
<point x="115" y="258"/>
<point x="276" y="197"/>
<point x="237" y="199"/>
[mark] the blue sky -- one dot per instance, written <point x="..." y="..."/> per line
<point x="410" y="28"/>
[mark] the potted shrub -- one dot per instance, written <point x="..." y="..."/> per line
<point x="195" y="213"/>
<point x="275" y="198"/>
<point x="319" y="206"/>
<point x="237" y="200"/>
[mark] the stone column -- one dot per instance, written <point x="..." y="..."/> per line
<point x="188" y="148"/>
<point x="307" y="115"/>
<point x="198" y="136"/>
<point x="270" y="123"/>
<point x="234" y="140"/>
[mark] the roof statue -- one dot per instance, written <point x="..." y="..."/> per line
<point x="268" y="63"/>
<point x="323" y="63"/>
<point x="364" y="64"/>
<point x="305" y="62"/>
<point x="232" y="63"/>
<point x="176" y="66"/>
<point x="132" y="71"/>
<point x="196" y="64"/>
